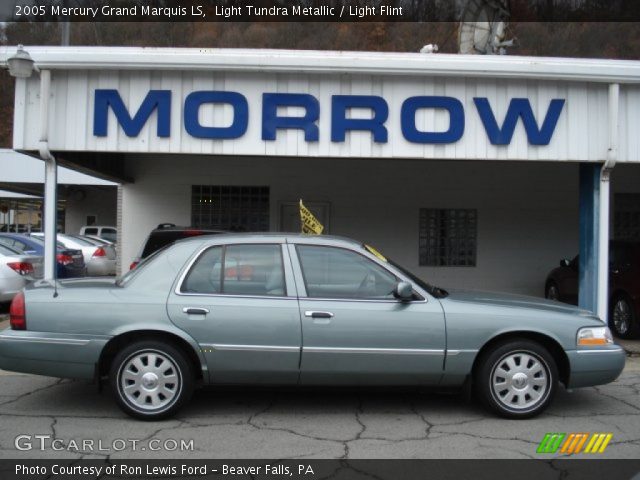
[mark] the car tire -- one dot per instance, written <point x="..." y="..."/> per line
<point x="516" y="379"/>
<point x="623" y="320"/>
<point x="151" y="379"/>
<point x="552" y="292"/>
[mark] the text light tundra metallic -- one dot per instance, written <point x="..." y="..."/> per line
<point x="156" y="337"/>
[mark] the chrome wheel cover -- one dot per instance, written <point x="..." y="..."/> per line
<point x="520" y="381"/>
<point x="621" y="316"/>
<point x="149" y="381"/>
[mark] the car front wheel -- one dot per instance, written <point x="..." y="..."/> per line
<point x="151" y="379"/>
<point x="516" y="379"/>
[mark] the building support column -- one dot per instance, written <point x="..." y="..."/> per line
<point x="589" y="235"/>
<point x="595" y="188"/>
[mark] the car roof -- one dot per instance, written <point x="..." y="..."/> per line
<point x="274" y="237"/>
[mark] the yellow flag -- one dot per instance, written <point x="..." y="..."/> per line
<point x="310" y="224"/>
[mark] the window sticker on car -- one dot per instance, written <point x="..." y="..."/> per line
<point x="375" y="252"/>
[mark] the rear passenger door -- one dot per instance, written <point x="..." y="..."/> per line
<point x="238" y="302"/>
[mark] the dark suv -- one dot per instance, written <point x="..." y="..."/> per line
<point x="165" y="234"/>
<point x="624" y="286"/>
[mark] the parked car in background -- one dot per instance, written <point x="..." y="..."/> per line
<point x="303" y="310"/>
<point x="165" y="234"/>
<point x="96" y="258"/>
<point x="109" y="247"/>
<point x="624" y="287"/>
<point x="17" y="269"/>
<point x="105" y="232"/>
<point x="69" y="262"/>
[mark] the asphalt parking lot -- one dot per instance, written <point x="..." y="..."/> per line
<point x="305" y="424"/>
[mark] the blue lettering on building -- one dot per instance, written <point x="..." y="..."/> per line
<point x="519" y="108"/>
<point x="342" y="121"/>
<point x="271" y="121"/>
<point x="408" y="119"/>
<point x="195" y="100"/>
<point x="155" y="99"/>
<point x="340" y="124"/>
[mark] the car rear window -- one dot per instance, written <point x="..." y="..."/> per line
<point x="8" y="251"/>
<point x="162" y="238"/>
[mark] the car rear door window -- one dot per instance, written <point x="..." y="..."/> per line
<point x="251" y="270"/>
<point x="331" y="272"/>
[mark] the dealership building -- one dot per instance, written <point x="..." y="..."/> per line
<point x="473" y="171"/>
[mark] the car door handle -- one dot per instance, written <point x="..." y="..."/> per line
<point x="195" y="311"/>
<point x="314" y="314"/>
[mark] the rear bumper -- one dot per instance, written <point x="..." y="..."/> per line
<point x="595" y="366"/>
<point x="102" y="267"/>
<point x="10" y="286"/>
<point x="50" y="354"/>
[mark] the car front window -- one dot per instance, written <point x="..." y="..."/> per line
<point x="332" y="272"/>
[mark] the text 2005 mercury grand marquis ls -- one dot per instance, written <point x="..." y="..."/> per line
<point x="299" y="310"/>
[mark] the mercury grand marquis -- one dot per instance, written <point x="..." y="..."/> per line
<point x="279" y="309"/>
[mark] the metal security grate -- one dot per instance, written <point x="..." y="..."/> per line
<point x="626" y="219"/>
<point x="233" y="208"/>
<point x="448" y="237"/>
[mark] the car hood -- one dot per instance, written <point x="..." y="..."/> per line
<point x="514" y="301"/>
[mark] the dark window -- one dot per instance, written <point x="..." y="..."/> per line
<point x="247" y="270"/>
<point x="626" y="219"/>
<point x="331" y="272"/>
<point x="231" y="208"/>
<point x="90" y="231"/>
<point x="448" y="237"/>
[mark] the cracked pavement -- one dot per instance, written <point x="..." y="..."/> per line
<point x="321" y="423"/>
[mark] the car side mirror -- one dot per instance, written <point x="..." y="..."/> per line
<point x="564" y="262"/>
<point x="403" y="291"/>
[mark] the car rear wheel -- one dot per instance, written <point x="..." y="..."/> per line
<point x="622" y="318"/>
<point x="516" y="379"/>
<point x="151" y="379"/>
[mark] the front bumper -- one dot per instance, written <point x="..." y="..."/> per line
<point x="591" y="367"/>
<point x="50" y="354"/>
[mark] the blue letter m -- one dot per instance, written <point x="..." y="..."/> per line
<point x="519" y="108"/>
<point x="160" y="99"/>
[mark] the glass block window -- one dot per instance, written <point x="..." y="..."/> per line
<point x="232" y="208"/>
<point x="448" y="237"/>
<point x="626" y="218"/>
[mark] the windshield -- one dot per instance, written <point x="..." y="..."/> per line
<point x="433" y="290"/>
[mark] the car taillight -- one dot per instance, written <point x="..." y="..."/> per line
<point x="64" y="259"/>
<point x="193" y="233"/>
<point x="99" y="252"/>
<point x="133" y="265"/>
<point x="23" y="268"/>
<point x="17" y="313"/>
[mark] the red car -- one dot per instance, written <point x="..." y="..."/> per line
<point x="624" y="287"/>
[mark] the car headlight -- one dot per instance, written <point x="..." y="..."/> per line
<point x="589" y="336"/>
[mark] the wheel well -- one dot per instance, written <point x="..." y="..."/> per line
<point x="554" y="348"/>
<point x="117" y="343"/>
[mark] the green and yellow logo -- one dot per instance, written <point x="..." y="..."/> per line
<point x="573" y="443"/>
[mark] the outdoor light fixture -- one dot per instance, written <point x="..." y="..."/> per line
<point x="21" y="64"/>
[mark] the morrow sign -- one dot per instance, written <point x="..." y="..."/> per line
<point x="498" y="132"/>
